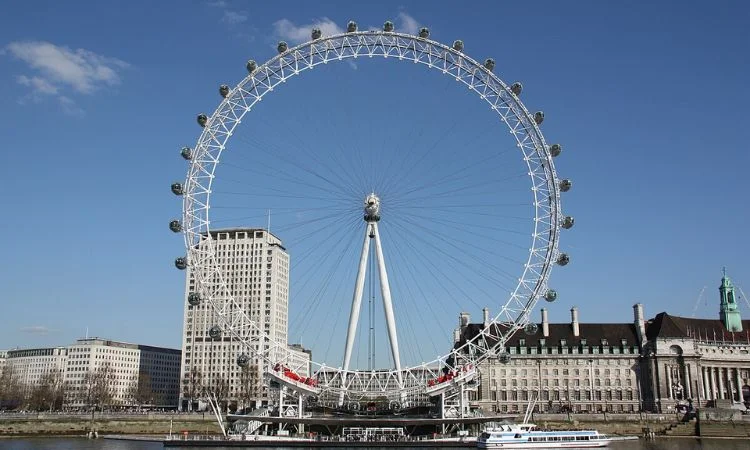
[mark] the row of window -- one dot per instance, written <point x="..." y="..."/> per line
<point x="556" y="395"/>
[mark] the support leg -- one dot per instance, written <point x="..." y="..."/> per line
<point x="356" y="304"/>
<point x="385" y="291"/>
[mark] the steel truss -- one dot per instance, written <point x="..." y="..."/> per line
<point x="407" y="383"/>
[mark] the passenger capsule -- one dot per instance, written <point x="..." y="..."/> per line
<point x="194" y="299"/>
<point x="181" y="262"/>
<point x="531" y="329"/>
<point x="224" y="90"/>
<point x="550" y="295"/>
<point x="516" y="88"/>
<point x="177" y="189"/>
<point x="388" y="26"/>
<point x="539" y="117"/>
<point x="555" y="150"/>
<point x="565" y="185"/>
<point x="243" y="360"/>
<point x="202" y="120"/>
<point x="175" y="226"/>
<point x="568" y="222"/>
<point x="458" y="45"/>
<point x="282" y="47"/>
<point x="424" y="32"/>
<point x="489" y="64"/>
<point x="351" y="27"/>
<point x="504" y="358"/>
<point x="186" y="153"/>
<point x="214" y="332"/>
<point x="316" y="33"/>
<point x="251" y="66"/>
<point x="563" y="259"/>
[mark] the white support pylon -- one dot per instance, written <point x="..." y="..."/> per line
<point x="385" y="292"/>
<point x="372" y="216"/>
<point x="354" y="314"/>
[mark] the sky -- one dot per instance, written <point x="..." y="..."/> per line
<point x="648" y="99"/>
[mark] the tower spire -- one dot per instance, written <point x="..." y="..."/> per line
<point x="728" y="312"/>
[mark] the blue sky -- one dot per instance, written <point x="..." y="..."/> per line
<point x="648" y="99"/>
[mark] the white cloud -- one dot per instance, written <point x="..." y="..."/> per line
<point x="80" y="69"/>
<point x="60" y="71"/>
<point x="285" y="29"/>
<point x="38" y="84"/>
<point x="233" y="17"/>
<point x="36" y="329"/>
<point x="218" y="4"/>
<point x="406" y="24"/>
<point x="69" y="106"/>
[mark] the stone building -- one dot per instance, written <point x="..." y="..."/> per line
<point x="662" y="364"/>
<point x="577" y="367"/>
<point x="705" y="362"/>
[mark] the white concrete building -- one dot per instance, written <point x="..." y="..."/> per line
<point x="127" y="362"/>
<point x="255" y="266"/>
<point x="29" y="366"/>
<point x="3" y="357"/>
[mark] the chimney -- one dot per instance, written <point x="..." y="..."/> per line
<point x="574" y="321"/>
<point x="639" y="322"/>
<point x="464" y="319"/>
<point x="545" y="323"/>
<point x="486" y="317"/>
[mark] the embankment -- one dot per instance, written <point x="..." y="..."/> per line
<point x="75" y="424"/>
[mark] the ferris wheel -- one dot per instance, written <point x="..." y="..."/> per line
<point x="452" y="365"/>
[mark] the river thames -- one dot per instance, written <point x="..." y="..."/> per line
<point x="105" y="444"/>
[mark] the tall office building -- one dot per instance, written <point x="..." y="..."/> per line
<point x="255" y="269"/>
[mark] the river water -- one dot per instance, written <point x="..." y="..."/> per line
<point x="105" y="444"/>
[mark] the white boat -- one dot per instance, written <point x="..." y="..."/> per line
<point x="527" y="436"/>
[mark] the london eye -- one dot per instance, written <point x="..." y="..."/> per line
<point x="451" y="217"/>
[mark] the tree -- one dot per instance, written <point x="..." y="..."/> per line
<point x="249" y="389"/>
<point x="218" y="390"/>
<point x="11" y="395"/>
<point x="48" y="393"/>
<point x="193" y="386"/>
<point x="97" y="389"/>
<point x="141" y="391"/>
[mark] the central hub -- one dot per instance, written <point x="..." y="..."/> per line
<point x="372" y="208"/>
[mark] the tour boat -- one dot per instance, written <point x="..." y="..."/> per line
<point x="527" y="436"/>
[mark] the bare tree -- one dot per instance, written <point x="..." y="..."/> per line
<point x="11" y="396"/>
<point x="217" y="394"/>
<point x="249" y="388"/>
<point x="97" y="389"/>
<point x="141" y="391"/>
<point x="193" y="386"/>
<point x="48" y="393"/>
<point x="218" y="390"/>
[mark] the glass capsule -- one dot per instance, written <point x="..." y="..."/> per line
<point x="175" y="226"/>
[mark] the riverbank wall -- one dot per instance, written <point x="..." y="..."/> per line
<point x="103" y="423"/>
<point x="205" y="424"/>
